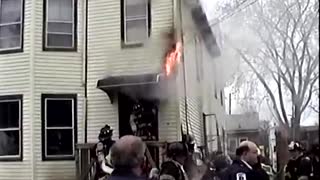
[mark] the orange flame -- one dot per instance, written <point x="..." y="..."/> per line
<point x="173" y="58"/>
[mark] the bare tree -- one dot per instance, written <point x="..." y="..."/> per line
<point x="287" y="57"/>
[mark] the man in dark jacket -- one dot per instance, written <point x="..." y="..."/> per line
<point x="241" y="168"/>
<point x="173" y="169"/>
<point x="127" y="157"/>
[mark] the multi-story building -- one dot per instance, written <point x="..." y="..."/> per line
<point x="68" y="67"/>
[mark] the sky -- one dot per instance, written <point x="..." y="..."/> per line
<point x="209" y="7"/>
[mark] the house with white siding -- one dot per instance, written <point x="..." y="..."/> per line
<point x="68" y="67"/>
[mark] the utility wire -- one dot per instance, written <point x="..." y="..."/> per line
<point x="235" y="10"/>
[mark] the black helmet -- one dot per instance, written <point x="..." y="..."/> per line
<point x="137" y="108"/>
<point x="177" y="149"/>
<point x="105" y="133"/>
<point x="295" y="146"/>
<point x="189" y="141"/>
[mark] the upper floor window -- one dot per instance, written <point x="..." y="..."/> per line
<point x="135" y="21"/>
<point x="59" y="126"/>
<point x="10" y="127"/>
<point x="11" y="24"/>
<point x="60" y="25"/>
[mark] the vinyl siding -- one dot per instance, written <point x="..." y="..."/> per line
<point x="56" y="73"/>
<point x="193" y="85"/>
<point x="14" y="80"/>
<point x="106" y="57"/>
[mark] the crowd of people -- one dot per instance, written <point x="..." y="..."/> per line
<point x="125" y="159"/>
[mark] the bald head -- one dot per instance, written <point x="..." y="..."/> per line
<point x="128" y="152"/>
<point x="249" y="144"/>
<point x="248" y="151"/>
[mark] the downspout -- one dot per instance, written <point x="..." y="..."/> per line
<point x="85" y="68"/>
<point x="32" y="91"/>
<point x="184" y="69"/>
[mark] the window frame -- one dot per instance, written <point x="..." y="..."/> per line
<point x="20" y="48"/>
<point x="124" y="20"/>
<point x="229" y="144"/>
<point x="12" y="98"/>
<point x="45" y="46"/>
<point x="74" y="128"/>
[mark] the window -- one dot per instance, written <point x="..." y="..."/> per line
<point x="10" y="127"/>
<point x="59" y="126"/>
<point x="11" y="25"/>
<point x="232" y="145"/>
<point x="60" y="25"/>
<point x="135" y="19"/>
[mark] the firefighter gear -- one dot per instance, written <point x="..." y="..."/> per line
<point x="239" y="170"/>
<point x="102" y="150"/>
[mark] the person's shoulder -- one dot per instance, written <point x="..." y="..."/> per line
<point x="169" y="168"/>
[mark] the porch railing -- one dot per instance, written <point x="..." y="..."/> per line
<point x="85" y="162"/>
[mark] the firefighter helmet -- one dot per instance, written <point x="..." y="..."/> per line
<point x="177" y="149"/>
<point x="295" y="146"/>
<point x="105" y="133"/>
<point x="137" y="108"/>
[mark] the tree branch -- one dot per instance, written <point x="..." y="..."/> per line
<point x="264" y="83"/>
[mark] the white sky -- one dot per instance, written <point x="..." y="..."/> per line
<point x="210" y="8"/>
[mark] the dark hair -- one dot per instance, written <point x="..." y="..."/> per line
<point x="242" y="149"/>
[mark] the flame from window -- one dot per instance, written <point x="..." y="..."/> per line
<point x="173" y="58"/>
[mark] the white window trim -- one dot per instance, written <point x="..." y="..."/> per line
<point x="14" y="129"/>
<point x="59" y="128"/>
<point x="134" y="19"/>
<point x="13" y="23"/>
<point x="243" y="137"/>
<point x="59" y="33"/>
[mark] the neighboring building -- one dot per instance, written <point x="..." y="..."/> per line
<point x="242" y="127"/>
<point x="309" y="135"/>
<point x="59" y="57"/>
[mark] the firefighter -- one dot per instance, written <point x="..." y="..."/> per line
<point x="141" y="120"/>
<point x="315" y="160"/>
<point x="172" y="169"/>
<point x="241" y="168"/>
<point x="299" y="166"/>
<point x="104" y="167"/>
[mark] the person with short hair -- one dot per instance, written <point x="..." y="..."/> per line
<point x="241" y="168"/>
<point x="173" y="169"/>
<point x="127" y="158"/>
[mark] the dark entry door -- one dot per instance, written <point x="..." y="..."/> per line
<point x="150" y="108"/>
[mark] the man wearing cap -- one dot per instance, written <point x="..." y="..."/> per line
<point x="293" y="165"/>
<point x="241" y="168"/>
